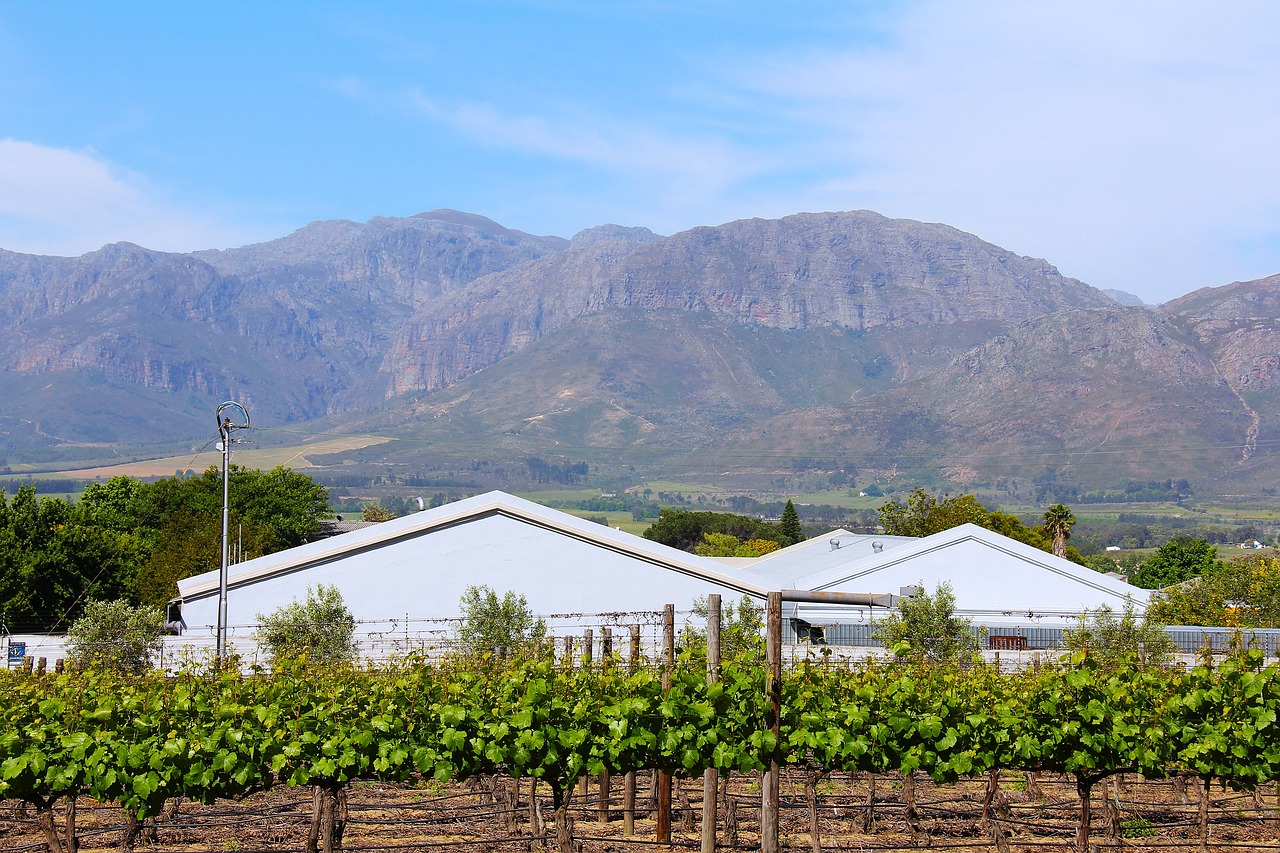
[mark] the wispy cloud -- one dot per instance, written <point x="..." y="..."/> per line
<point x="1119" y="141"/>
<point x="60" y="201"/>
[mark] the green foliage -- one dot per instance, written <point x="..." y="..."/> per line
<point x="319" y="628"/>
<point x="1243" y="593"/>
<point x="500" y="627"/>
<point x="1180" y="559"/>
<point x="133" y="540"/>
<point x="1113" y="640"/>
<point x="923" y="515"/>
<point x="1058" y="520"/>
<point x="789" y="525"/>
<point x="926" y="627"/>
<point x="724" y="545"/>
<point x="741" y="630"/>
<point x="376" y="512"/>
<point x="138" y="740"/>
<point x="117" y="636"/>
<point x="687" y="530"/>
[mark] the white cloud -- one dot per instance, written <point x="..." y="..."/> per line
<point x="687" y="168"/>
<point x="64" y="202"/>
<point x="1131" y="144"/>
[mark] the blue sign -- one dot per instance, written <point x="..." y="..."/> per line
<point x="17" y="651"/>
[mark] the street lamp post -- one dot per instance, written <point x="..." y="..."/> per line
<point x="225" y="427"/>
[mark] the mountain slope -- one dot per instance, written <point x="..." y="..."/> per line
<point x="845" y="270"/>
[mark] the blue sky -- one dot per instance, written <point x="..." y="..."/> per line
<point x="1133" y="145"/>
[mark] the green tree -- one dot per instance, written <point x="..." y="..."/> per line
<point x="789" y="525"/>
<point x="320" y="627"/>
<point x="376" y="512"/>
<point x="724" y="545"/>
<point x="1058" y="520"/>
<point x="269" y="512"/>
<point x="1180" y="559"/>
<point x="925" y="627"/>
<point x="1113" y="640"/>
<point x="115" y="635"/>
<point x="923" y="514"/>
<point x="1244" y="593"/>
<point x="501" y="627"/>
<point x="687" y="530"/>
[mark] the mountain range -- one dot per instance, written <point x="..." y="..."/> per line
<point x="905" y="349"/>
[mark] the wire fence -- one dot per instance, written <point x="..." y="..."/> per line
<point x="835" y="811"/>
<point x="386" y="640"/>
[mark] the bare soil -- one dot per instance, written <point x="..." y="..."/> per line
<point x="478" y="815"/>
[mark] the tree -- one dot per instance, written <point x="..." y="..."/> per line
<point x="686" y="530"/>
<point x="924" y="515"/>
<point x="320" y="627"/>
<point x="115" y="635"/>
<point x="1057" y="521"/>
<point x="789" y="525"/>
<point x="1180" y="559"/>
<point x="925" y="627"/>
<point x="724" y="545"/>
<point x="1113" y="641"/>
<point x="500" y="627"/>
<point x="376" y="512"/>
<point x="1244" y="593"/>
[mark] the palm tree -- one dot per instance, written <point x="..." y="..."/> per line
<point x="1057" y="522"/>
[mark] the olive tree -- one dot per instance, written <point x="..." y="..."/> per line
<point x="497" y="626"/>
<point x="925" y="626"/>
<point x="117" y="636"/>
<point x="319" y="628"/>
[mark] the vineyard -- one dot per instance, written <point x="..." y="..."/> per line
<point x="523" y="745"/>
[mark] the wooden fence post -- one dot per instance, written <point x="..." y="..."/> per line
<point x="772" y="774"/>
<point x="710" y="782"/>
<point x="588" y="647"/>
<point x="663" y="830"/>
<point x="606" y="661"/>
<point x="629" y="781"/>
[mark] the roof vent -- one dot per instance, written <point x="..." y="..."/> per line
<point x="835" y="544"/>
<point x="877" y="547"/>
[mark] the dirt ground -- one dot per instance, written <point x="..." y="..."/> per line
<point x="479" y="815"/>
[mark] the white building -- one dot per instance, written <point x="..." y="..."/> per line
<point x="416" y="568"/>
<point x="401" y="575"/>
<point x="997" y="581"/>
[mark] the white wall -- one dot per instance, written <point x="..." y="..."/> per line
<point x="424" y="577"/>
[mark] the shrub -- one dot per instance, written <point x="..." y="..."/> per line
<point x="320" y="628"/>
<point x="1111" y="640"/>
<point x="926" y="627"/>
<point x="498" y="626"/>
<point x="117" y="636"/>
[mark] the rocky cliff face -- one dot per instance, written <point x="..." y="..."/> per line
<point x="833" y="333"/>
<point x="843" y="270"/>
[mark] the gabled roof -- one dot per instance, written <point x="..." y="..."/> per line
<point x="794" y="566"/>
<point x="451" y="515"/>
<point x="990" y="572"/>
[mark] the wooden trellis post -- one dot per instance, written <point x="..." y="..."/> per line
<point x="629" y="781"/>
<point x="772" y="774"/>
<point x="606" y="660"/>
<point x="663" y="831"/>
<point x="709" y="777"/>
